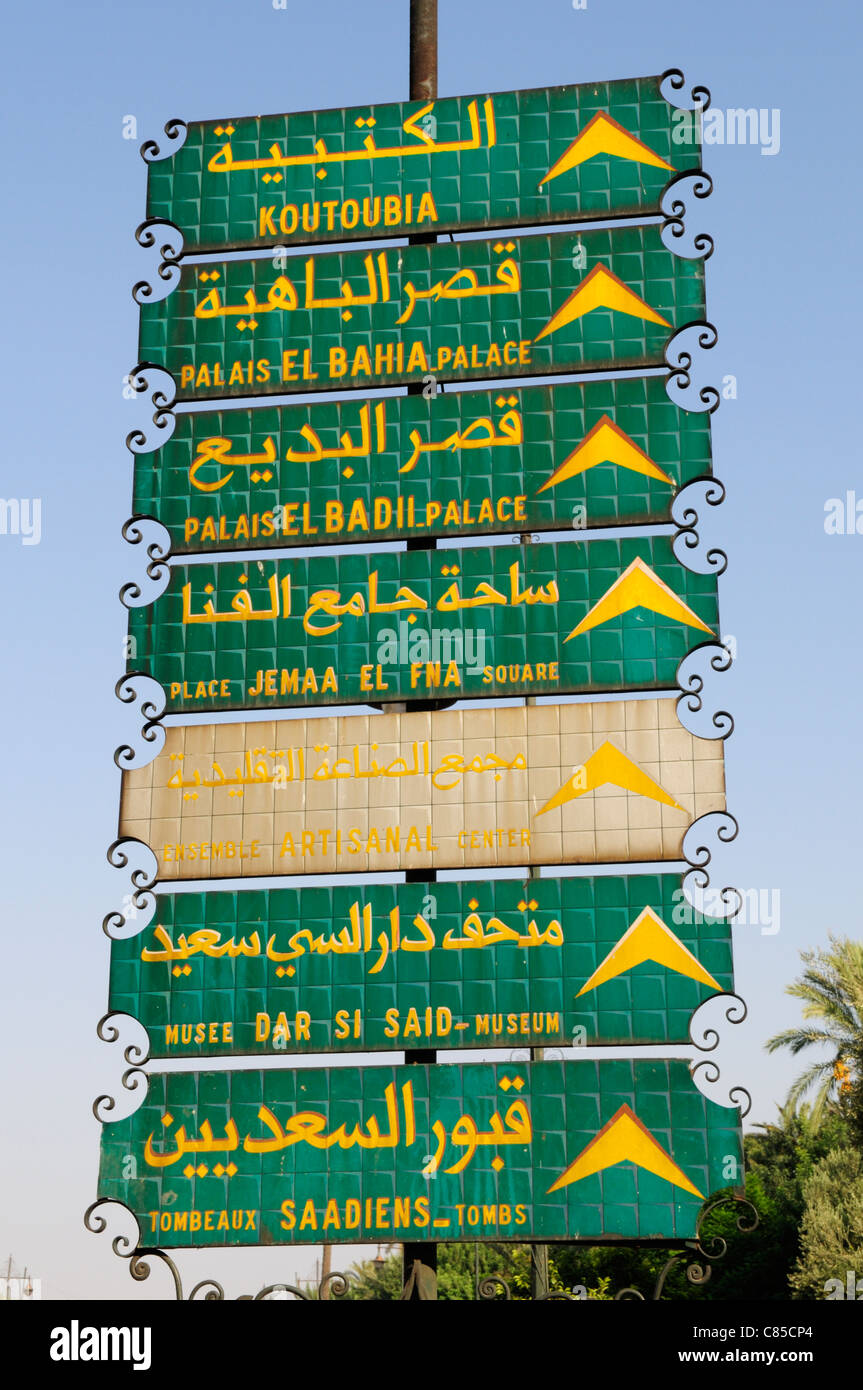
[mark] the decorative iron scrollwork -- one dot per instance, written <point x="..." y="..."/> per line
<point x="737" y="1095"/>
<point x="735" y="1012"/>
<point x="137" y="442"/>
<point x="176" y="131"/>
<point x="684" y="513"/>
<point x="691" y="684"/>
<point x="678" y="359"/>
<point x="107" y="1031"/>
<point x="152" y="714"/>
<point x="332" y="1287"/>
<point x="158" y="550"/>
<point x="701" y="244"/>
<point x="171" y="253"/>
<point x="699" y="856"/>
<point x="699" y="96"/>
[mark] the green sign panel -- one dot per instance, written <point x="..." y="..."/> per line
<point x="556" y="155"/>
<point x="497" y="1151"/>
<point x="585" y="961"/>
<point x="457" y="311"/>
<point x="598" y="615"/>
<point x="466" y="463"/>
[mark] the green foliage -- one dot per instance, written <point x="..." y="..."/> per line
<point x="831" y="1240"/>
<point x="377" y="1280"/>
<point x="831" y="988"/>
<point x="779" y="1161"/>
<point x="459" y="1266"/>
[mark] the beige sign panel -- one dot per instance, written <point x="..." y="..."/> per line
<point x="600" y="782"/>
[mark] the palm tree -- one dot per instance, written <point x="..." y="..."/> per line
<point x="831" y="988"/>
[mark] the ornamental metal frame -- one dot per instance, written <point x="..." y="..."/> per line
<point x="701" y="1253"/>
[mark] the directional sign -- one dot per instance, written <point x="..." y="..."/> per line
<point x="598" y="782"/>
<point x="579" y="617"/>
<point x="597" y="961"/>
<point x="533" y="306"/>
<point x="570" y="1150"/>
<point x="559" y="154"/>
<point x="466" y="463"/>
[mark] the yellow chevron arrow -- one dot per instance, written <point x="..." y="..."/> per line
<point x="601" y="289"/>
<point x="603" y="135"/>
<point x="606" y="443"/>
<point x="608" y="764"/>
<point x="648" y="939"/>
<point x="624" y="1140"/>
<point x="638" y="587"/>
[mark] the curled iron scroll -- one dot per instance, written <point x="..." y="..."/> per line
<point x="674" y="211"/>
<point x="163" y="406"/>
<point x="678" y="359"/>
<point x="118" y="859"/>
<point x="699" y="856"/>
<point x="737" y="1095"/>
<point x="125" y="755"/>
<point x="176" y="130"/>
<point x="684" y="512"/>
<point x="171" y="253"/>
<point x="158" y="551"/>
<point x="332" y="1287"/>
<point x="709" y="1249"/>
<point x="735" y="1012"/>
<point x="141" y="898"/>
<point x="151" y="713"/>
<point x="107" y="1031"/>
<point x="158" y="571"/>
<point x="130" y="1081"/>
<point x="490" y="1286"/>
<point x="169" y="271"/>
<point x="699" y="96"/>
<point x="119" y="919"/>
<point x="145" y="235"/>
<point x="691" y="684"/>
<point x="124" y="1246"/>
<point x="169" y="265"/>
<point x="215" y="1293"/>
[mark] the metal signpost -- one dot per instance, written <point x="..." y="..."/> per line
<point x="556" y="1148"/>
<point x="456" y="311"/>
<point x="495" y="1150"/>
<point x="603" y="615"/>
<point x="506" y="159"/>
<point x="468" y="463"/>
<point x="378" y="967"/>
<point x="593" y="783"/>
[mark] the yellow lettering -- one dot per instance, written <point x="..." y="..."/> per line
<point x="289" y="1219"/>
<point x="308" y="1217"/>
<point x="427" y="209"/>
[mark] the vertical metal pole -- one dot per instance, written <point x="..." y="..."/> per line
<point x="538" y="1253"/>
<point x="423" y="42"/>
<point x="423" y="87"/>
<point x="326" y="1267"/>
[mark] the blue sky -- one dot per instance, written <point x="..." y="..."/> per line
<point x="781" y="290"/>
